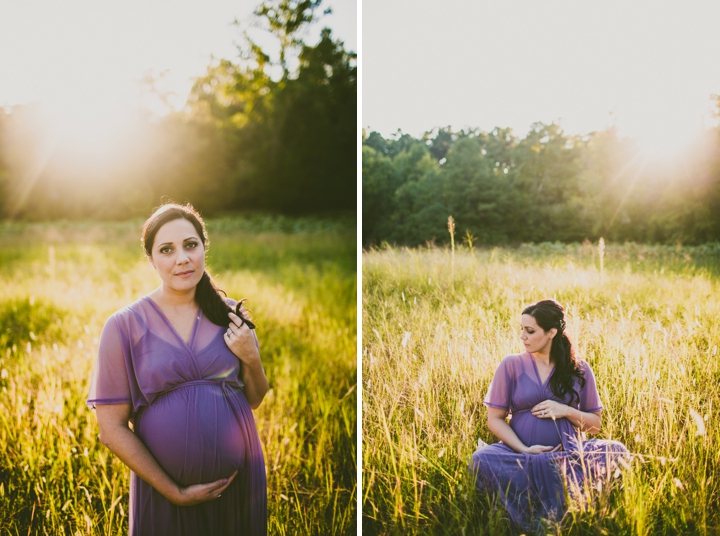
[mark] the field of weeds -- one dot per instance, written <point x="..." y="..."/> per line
<point x="58" y="284"/>
<point x="436" y="324"/>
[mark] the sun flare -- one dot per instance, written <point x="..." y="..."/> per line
<point x="663" y="128"/>
<point x="660" y="142"/>
<point x="87" y="121"/>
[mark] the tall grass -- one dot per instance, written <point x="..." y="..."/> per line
<point x="649" y="328"/>
<point x="58" y="284"/>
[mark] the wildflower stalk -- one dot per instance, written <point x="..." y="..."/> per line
<point x="469" y="238"/>
<point x="451" y="229"/>
<point x="601" y="251"/>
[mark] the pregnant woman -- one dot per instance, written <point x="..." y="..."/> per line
<point x="552" y="399"/>
<point x="177" y="374"/>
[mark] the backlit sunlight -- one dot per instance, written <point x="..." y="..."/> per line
<point x="90" y="119"/>
<point x="667" y="140"/>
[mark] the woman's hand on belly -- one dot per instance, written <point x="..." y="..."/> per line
<point x="539" y="449"/>
<point x="550" y="409"/>
<point x="199" y="493"/>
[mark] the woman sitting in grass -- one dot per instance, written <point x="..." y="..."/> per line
<point x="552" y="399"/>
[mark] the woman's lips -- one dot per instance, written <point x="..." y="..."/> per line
<point x="185" y="274"/>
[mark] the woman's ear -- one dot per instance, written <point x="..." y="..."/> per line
<point x="552" y="332"/>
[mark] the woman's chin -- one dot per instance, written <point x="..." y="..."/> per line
<point x="182" y="286"/>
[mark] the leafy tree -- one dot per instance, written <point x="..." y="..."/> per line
<point x="290" y="142"/>
<point x="545" y="170"/>
<point x="378" y="190"/>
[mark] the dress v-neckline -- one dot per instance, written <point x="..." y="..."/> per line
<point x="198" y="315"/>
<point x="537" y="372"/>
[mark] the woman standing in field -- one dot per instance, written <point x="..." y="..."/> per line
<point x="552" y="398"/>
<point x="182" y="364"/>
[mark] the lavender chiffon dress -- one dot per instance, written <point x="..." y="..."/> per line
<point x="189" y="409"/>
<point x="532" y="486"/>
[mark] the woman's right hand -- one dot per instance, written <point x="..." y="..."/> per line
<point x="538" y="449"/>
<point x="199" y="493"/>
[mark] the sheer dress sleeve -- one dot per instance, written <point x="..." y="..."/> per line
<point x="589" y="396"/>
<point x="500" y="393"/>
<point x="110" y="379"/>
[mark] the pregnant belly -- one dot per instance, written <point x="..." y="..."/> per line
<point x="193" y="434"/>
<point x="535" y="431"/>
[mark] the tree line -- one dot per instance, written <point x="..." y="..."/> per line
<point x="260" y="132"/>
<point x="547" y="186"/>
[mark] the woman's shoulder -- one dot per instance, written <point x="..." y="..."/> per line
<point x="230" y="301"/>
<point x="134" y="310"/>
<point x="586" y="369"/>
<point x="511" y="362"/>
<point x="512" y="359"/>
<point x="584" y="365"/>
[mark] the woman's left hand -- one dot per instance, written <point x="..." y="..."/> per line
<point x="550" y="409"/>
<point x="241" y="341"/>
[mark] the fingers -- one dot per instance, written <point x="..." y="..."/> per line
<point x="543" y="410"/>
<point x="236" y="320"/>
<point x="236" y="327"/>
<point x="538" y="449"/>
<point x="213" y="490"/>
<point x="229" y="481"/>
<point x="241" y="319"/>
<point x="200" y="493"/>
<point x="559" y="447"/>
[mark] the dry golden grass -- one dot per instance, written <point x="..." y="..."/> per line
<point x="58" y="284"/>
<point x="648" y="327"/>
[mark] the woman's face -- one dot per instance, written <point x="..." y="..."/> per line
<point x="534" y="337"/>
<point x="178" y="255"/>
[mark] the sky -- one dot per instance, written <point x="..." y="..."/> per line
<point x="85" y="56"/>
<point x="648" y="68"/>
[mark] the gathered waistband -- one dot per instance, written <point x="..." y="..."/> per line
<point x="224" y="384"/>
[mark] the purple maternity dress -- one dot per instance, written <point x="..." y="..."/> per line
<point x="189" y="409"/>
<point x="531" y="485"/>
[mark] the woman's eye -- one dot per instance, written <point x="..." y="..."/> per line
<point x="192" y="244"/>
<point x="165" y="250"/>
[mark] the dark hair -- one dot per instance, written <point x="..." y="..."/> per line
<point x="550" y="314"/>
<point x="207" y="295"/>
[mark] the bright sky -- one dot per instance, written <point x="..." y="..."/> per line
<point x="647" y="66"/>
<point x="86" y="54"/>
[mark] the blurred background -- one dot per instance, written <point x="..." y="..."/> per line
<point x="104" y="109"/>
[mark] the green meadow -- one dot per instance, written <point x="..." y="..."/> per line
<point x="58" y="284"/>
<point x="436" y="324"/>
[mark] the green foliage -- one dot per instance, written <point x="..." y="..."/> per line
<point x="26" y="320"/>
<point x="431" y="343"/>
<point x="61" y="281"/>
<point x="546" y="186"/>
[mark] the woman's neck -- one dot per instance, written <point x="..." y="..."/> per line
<point x="170" y="298"/>
<point x="542" y="358"/>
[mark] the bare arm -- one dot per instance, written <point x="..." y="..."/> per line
<point x="503" y="431"/>
<point x="242" y="342"/>
<point x="585" y="421"/>
<point x="116" y="435"/>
